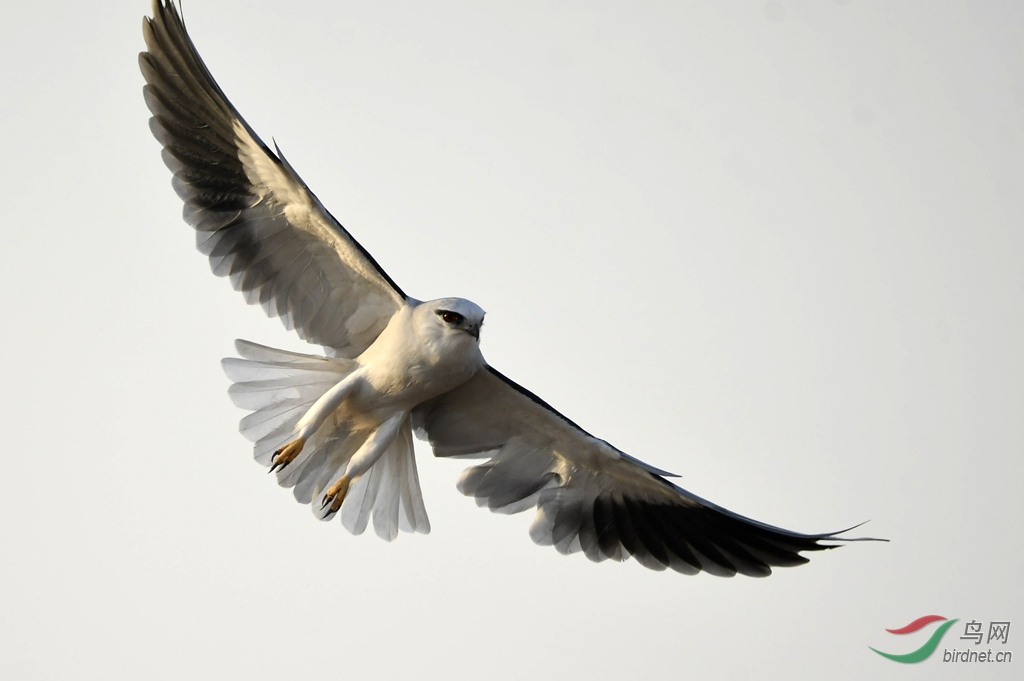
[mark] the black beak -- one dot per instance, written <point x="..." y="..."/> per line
<point x="474" y="331"/>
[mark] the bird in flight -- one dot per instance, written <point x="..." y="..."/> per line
<point x="338" y="429"/>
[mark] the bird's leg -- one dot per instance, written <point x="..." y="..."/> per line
<point x="313" y="419"/>
<point x="364" y="458"/>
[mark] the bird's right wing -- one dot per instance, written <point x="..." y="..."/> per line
<point x="590" y="496"/>
<point x="254" y="217"/>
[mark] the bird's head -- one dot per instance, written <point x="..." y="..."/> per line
<point x="454" y="316"/>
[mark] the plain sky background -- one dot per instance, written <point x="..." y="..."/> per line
<point x="773" y="247"/>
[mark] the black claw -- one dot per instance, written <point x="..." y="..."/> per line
<point x="328" y="503"/>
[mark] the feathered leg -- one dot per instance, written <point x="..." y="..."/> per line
<point x="362" y="461"/>
<point x="313" y="419"/>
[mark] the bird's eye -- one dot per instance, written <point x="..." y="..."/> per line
<point x="450" y="317"/>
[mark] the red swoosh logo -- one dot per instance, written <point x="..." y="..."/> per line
<point x="916" y="624"/>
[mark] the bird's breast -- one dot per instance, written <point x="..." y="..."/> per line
<point x="403" y="369"/>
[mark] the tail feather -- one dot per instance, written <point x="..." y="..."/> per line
<point x="355" y="513"/>
<point x="278" y="387"/>
<point x="385" y="506"/>
<point x="255" y="370"/>
<point x="253" y="394"/>
<point x="413" y="516"/>
<point x="265" y="353"/>
<point x="269" y="419"/>
<point x="263" y="451"/>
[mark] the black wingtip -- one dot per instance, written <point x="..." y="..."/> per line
<point x="834" y="536"/>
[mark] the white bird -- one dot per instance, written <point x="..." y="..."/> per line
<point x="338" y="429"/>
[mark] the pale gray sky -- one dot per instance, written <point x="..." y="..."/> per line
<point x="773" y="247"/>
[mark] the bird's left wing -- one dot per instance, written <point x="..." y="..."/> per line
<point x="254" y="217"/>
<point x="589" y="496"/>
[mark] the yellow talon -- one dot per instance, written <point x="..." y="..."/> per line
<point x="335" y="496"/>
<point x="287" y="454"/>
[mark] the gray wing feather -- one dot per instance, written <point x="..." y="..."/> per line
<point x="589" y="496"/>
<point x="254" y="217"/>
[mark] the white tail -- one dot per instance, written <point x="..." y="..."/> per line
<point x="278" y="387"/>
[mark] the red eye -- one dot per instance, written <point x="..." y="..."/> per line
<point x="451" y="317"/>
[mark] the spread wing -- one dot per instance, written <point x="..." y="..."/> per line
<point x="254" y="217"/>
<point x="589" y="496"/>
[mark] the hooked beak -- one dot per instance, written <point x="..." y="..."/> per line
<point x="474" y="331"/>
